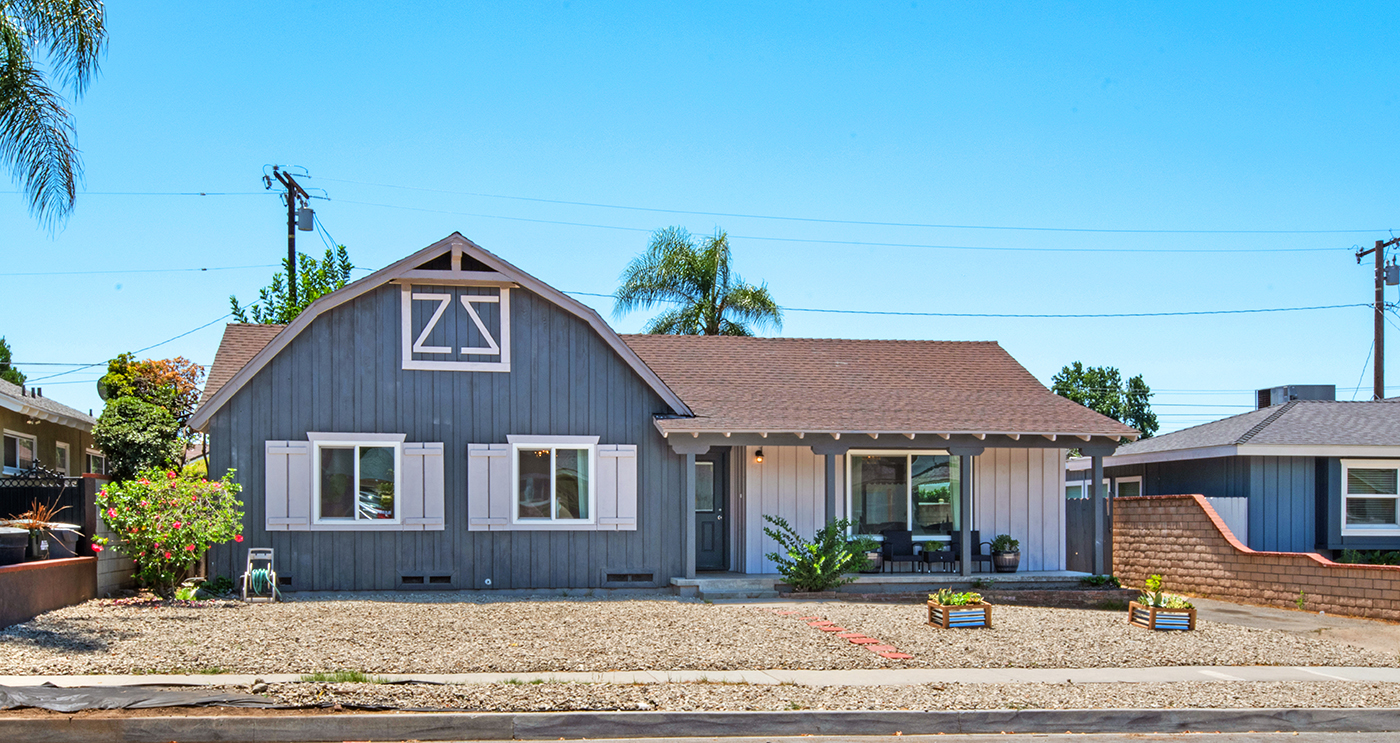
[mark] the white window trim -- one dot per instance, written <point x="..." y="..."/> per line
<point x="1085" y="483"/>
<point x="355" y="440"/>
<point x="95" y="453"/>
<point x="589" y="443"/>
<point x="67" y="456"/>
<point x="1120" y="480"/>
<point x="1368" y="531"/>
<point x="908" y="486"/>
<point x="33" y="450"/>
<point x="413" y="342"/>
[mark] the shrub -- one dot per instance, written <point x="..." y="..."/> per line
<point x="818" y="565"/>
<point x="137" y="435"/>
<point x="165" y="523"/>
<point x="1370" y="557"/>
<point x="946" y="597"/>
<point x="862" y="545"/>
<point x="1101" y="581"/>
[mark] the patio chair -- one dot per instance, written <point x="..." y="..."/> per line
<point x="978" y="556"/>
<point x="259" y="578"/>
<point x="944" y="557"/>
<point x="899" y="547"/>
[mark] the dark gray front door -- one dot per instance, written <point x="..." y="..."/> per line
<point x="711" y="505"/>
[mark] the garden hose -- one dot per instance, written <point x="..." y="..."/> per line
<point x="260" y="580"/>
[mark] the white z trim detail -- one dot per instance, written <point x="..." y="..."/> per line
<point x="443" y="301"/>
<point x="467" y="301"/>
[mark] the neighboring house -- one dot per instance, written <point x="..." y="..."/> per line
<point x="1299" y="475"/>
<point x="451" y="421"/>
<point x="38" y="430"/>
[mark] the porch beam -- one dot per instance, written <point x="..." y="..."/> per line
<point x="831" y="487"/>
<point x="689" y="441"/>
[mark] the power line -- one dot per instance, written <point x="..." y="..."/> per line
<point x="139" y="350"/>
<point x="1036" y="316"/>
<point x="869" y="243"/>
<point x="135" y="270"/>
<point x="1364" y="364"/>
<point x="870" y="223"/>
<point x="165" y="193"/>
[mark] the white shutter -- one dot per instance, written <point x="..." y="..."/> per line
<point x="617" y="488"/>
<point x="488" y="487"/>
<point x="421" y="501"/>
<point x="287" y="485"/>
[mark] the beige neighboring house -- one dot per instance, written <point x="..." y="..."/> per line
<point x="40" y="430"/>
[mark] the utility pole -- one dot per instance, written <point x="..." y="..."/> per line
<point x="294" y="192"/>
<point x="1379" y="353"/>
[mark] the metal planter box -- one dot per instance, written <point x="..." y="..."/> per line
<point x="1154" y="618"/>
<point x="955" y="617"/>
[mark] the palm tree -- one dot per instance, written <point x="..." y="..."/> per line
<point x="709" y="298"/>
<point x="36" y="131"/>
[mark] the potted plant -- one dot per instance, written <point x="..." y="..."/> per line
<point x="39" y="522"/>
<point x="949" y="609"/>
<point x="867" y="546"/>
<point x="1158" y="610"/>
<point x="1006" y="553"/>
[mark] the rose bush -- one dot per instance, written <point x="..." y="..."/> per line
<point x="165" y="522"/>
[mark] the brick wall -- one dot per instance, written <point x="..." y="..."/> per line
<point x="1183" y="539"/>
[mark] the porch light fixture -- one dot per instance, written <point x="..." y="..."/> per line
<point x="758" y="456"/>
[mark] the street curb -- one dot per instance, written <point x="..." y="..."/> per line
<point x="555" y="725"/>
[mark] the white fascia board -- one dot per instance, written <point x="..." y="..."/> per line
<point x="200" y="420"/>
<point x="18" y="405"/>
<point x="1118" y="460"/>
<point x="1312" y="450"/>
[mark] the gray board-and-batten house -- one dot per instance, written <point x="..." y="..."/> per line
<point x="451" y="421"/>
<point x="1300" y="473"/>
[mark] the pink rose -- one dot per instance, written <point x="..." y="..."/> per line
<point x="111" y="513"/>
<point x="97" y="548"/>
<point x="216" y="485"/>
<point x="167" y="555"/>
<point x="144" y="481"/>
<point x="177" y="524"/>
<point x="237" y="537"/>
<point x="189" y="548"/>
<point x="170" y="475"/>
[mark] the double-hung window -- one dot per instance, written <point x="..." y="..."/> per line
<point x="356" y="481"/>
<point x="1369" y="496"/>
<point x="917" y="491"/>
<point x="96" y="462"/>
<point x="61" y="457"/>
<point x="553" y="480"/>
<point x="19" y="452"/>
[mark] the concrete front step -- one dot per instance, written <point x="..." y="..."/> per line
<point x="710" y="595"/>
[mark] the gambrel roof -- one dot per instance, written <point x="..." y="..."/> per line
<point x="227" y="378"/>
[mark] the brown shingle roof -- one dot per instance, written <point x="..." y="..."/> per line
<point x="826" y="384"/>
<point x="240" y="344"/>
<point x="819" y="385"/>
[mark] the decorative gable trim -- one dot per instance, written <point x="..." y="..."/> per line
<point x="408" y="269"/>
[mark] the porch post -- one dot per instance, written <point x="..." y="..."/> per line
<point x="830" y="488"/>
<point x="689" y="516"/>
<point x="965" y="504"/>
<point x="1097" y="489"/>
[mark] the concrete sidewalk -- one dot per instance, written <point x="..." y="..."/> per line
<point x="853" y="677"/>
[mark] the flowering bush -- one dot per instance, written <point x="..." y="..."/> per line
<point x="165" y="522"/>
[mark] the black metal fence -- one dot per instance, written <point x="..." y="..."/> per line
<point x="19" y="494"/>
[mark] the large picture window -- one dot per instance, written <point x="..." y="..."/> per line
<point x="357" y="481"/>
<point x="917" y="491"/>
<point x="554" y="482"/>
<point x="19" y="452"/>
<point x="1371" y="489"/>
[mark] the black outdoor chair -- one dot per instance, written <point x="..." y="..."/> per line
<point x="944" y="557"/>
<point x="899" y="547"/>
<point x="978" y="555"/>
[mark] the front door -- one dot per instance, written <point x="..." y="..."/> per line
<point x="711" y="504"/>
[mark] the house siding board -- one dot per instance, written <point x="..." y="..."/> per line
<point x="1006" y="482"/>
<point x="791" y="483"/>
<point x="343" y="374"/>
<point x="1281" y="512"/>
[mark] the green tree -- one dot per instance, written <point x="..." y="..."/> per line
<point x="7" y="372"/>
<point x="710" y="298"/>
<point x="314" y="278"/>
<point x="36" y="131"/>
<point x="137" y="435"/>
<point x="1101" y="389"/>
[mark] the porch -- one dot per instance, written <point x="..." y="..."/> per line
<point x="731" y="585"/>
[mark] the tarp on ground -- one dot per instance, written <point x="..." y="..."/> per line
<point x="59" y="699"/>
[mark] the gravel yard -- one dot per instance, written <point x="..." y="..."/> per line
<point x="459" y="633"/>
<point x="743" y="697"/>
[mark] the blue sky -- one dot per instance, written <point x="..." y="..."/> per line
<point x="1097" y="116"/>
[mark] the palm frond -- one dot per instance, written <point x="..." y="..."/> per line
<point x="754" y="304"/>
<point x="36" y="141"/>
<point x="75" y="32"/>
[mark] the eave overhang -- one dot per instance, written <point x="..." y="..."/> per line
<point x="19" y="405"/>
